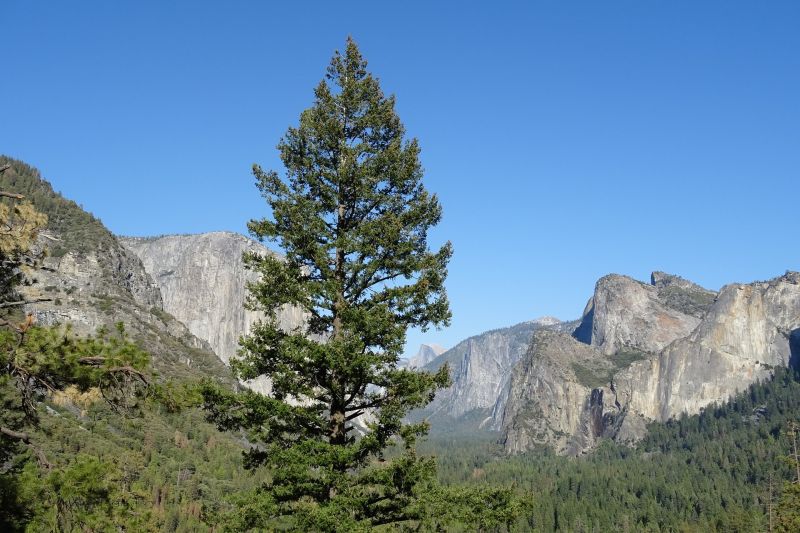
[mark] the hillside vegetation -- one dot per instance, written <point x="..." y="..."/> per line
<point x="79" y="230"/>
<point x="716" y="471"/>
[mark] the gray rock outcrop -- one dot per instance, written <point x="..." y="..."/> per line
<point x="89" y="281"/>
<point x="99" y="288"/>
<point x="627" y="314"/>
<point x="481" y="369"/>
<point x="203" y="281"/>
<point x="567" y="394"/>
<point x="552" y="401"/>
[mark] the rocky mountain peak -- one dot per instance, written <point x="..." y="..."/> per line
<point x="647" y="360"/>
<point x="425" y="354"/>
<point x="546" y="321"/>
<point x="682" y="295"/>
<point x="627" y="314"/>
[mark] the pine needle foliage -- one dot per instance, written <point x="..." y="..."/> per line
<point x="352" y="217"/>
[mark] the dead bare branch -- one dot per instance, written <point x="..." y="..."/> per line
<point x="25" y="302"/>
<point x="16" y="435"/>
<point x="129" y="371"/>
<point x="92" y="361"/>
<point x="13" y="195"/>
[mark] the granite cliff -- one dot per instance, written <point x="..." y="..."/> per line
<point x="644" y="353"/>
<point x="552" y="402"/>
<point x="481" y="369"/>
<point x="203" y="282"/>
<point x="626" y="313"/>
<point x="749" y="330"/>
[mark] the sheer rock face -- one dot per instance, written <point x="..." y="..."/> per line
<point x="628" y="314"/>
<point x="109" y="285"/>
<point x="550" y="405"/>
<point x="203" y="281"/>
<point x="749" y="330"/>
<point x="481" y="369"/>
<point x="566" y="395"/>
<point x="90" y="281"/>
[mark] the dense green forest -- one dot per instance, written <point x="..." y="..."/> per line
<point x="715" y="471"/>
<point x="171" y="471"/>
<point x="154" y="470"/>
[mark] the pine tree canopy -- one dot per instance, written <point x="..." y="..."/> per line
<point x="352" y="216"/>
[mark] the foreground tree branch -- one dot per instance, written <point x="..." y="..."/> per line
<point x="20" y="436"/>
<point x="16" y="435"/>
<point x="15" y="196"/>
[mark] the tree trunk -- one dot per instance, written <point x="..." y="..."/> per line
<point x="337" y="413"/>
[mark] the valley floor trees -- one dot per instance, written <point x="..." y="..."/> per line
<point x="352" y="217"/>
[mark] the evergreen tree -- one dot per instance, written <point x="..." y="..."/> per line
<point x="788" y="510"/>
<point x="352" y="216"/>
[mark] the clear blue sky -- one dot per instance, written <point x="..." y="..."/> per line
<point x="566" y="140"/>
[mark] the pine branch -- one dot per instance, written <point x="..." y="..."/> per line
<point x="92" y="361"/>
<point x="25" y="439"/>
<point x="16" y="435"/>
<point x="126" y="370"/>
<point x="354" y="415"/>
<point x="129" y="371"/>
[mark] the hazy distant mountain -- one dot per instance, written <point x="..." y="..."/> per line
<point x="425" y="354"/>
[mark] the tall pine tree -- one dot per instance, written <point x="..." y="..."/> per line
<point x="352" y="217"/>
